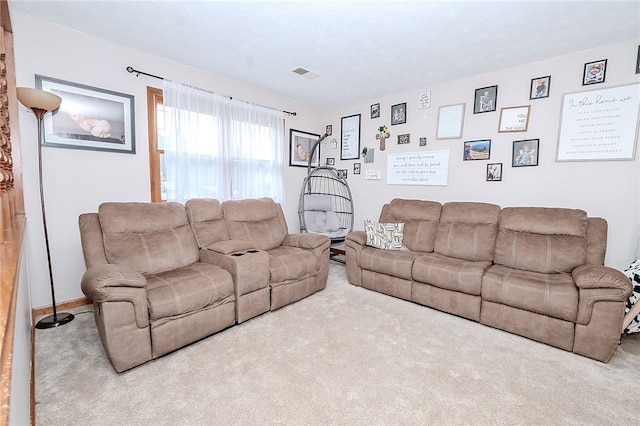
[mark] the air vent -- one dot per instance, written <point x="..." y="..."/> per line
<point x="306" y="73"/>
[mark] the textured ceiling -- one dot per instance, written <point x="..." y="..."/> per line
<point x="361" y="49"/>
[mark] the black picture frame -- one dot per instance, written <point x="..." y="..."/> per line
<point x="485" y="99"/>
<point x="594" y="72"/>
<point x="300" y="145"/>
<point x="540" y="87"/>
<point x="331" y="161"/>
<point x="89" y="118"/>
<point x="357" y="168"/>
<point x="328" y="129"/>
<point x="423" y="141"/>
<point x="375" y="111"/>
<point x="525" y="153"/>
<point x="638" y="61"/>
<point x="476" y="150"/>
<point x="404" y="139"/>
<point x="399" y="114"/>
<point x="494" y="172"/>
<point x="342" y="173"/>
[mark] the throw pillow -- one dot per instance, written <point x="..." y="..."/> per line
<point x="386" y="236"/>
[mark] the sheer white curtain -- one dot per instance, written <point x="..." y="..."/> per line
<point x="219" y="148"/>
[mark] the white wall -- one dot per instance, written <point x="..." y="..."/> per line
<point x="77" y="181"/>
<point x="609" y="189"/>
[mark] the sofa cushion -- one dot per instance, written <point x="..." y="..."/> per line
<point x="291" y="263"/>
<point x="450" y="273"/>
<point x="554" y="295"/>
<point x="396" y="263"/>
<point x="468" y="230"/>
<point x="385" y="236"/>
<point x="207" y="220"/>
<point x="546" y="240"/>
<point x="148" y="237"/>
<point x="420" y="220"/>
<point x="258" y="221"/>
<point x="186" y="290"/>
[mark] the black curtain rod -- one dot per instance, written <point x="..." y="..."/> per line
<point x="132" y="70"/>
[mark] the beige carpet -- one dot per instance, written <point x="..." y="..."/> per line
<point x="347" y="356"/>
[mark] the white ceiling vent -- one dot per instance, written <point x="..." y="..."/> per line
<point x="306" y="73"/>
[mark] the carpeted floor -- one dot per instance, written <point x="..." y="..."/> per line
<point x="345" y="355"/>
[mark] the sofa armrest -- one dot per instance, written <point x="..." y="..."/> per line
<point x="306" y="241"/>
<point x="597" y="283"/>
<point x="115" y="283"/>
<point x="230" y="246"/>
<point x="359" y="237"/>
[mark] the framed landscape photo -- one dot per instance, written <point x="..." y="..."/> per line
<point x="540" y="87"/>
<point x="300" y="145"/>
<point x="494" y="172"/>
<point x="594" y="72"/>
<point x="485" y="99"/>
<point x="514" y="119"/>
<point x="399" y="114"/>
<point x="525" y="153"/>
<point x="375" y="111"/>
<point x="89" y="118"/>
<point x="477" y="150"/>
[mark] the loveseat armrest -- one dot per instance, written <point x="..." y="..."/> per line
<point x="307" y="241"/>
<point x="597" y="283"/>
<point x="358" y="237"/>
<point x="230" y="246"/>
<point x="116" y="283"/>
<point x="355" y="242"/>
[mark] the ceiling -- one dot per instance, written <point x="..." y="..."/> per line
<point x="360" y="49"/>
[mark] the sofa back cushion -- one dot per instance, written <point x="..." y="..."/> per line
<point x="468" y="230"/>
<point x="207" y="220"/>
<point x="539" y="239"/>
<point x="258" y="221"/>
<point x="148" y="237"/>
<point x="420" y="220"/>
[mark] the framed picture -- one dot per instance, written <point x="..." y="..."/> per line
<point x="375" y="111"/>
<point x="350" y="137"/>
<point x="357" y="168"/>
<point x="450" y="121"/>
<point x="328" y="130"/>
<point x="494" y="172"/>
<point x="525" y="153"/>
<point x="403" y="139"/>
<point x="423" y="141"/>
<point x="514" y="119"/>
<point x="540" y="87"/>
<point x="638" y="62"/>
<point x="300" y="146"/>
<point x="594" y="72"/>
<point x="477" y="150"/>
<point x="89" y="118"/>
<point x="399" y="114"/>
<point x="342" y="174"/>
<point x="485" y="99"/>
<point x="331" y="161"/>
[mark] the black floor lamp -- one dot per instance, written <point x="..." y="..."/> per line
<point x="40" y="103"/>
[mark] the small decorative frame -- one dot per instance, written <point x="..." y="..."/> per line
<point x="485" y="99"/>
<point x="514" y="119"/>
<point x="342" y="174"/>
<point x="329" y="130"/>
<point x="594" y="72"/>
<point x="638" y="62"/>
<point x="89" y="118"/>
<point x="477" y="150"/>
<point x="540" y="87"/>
<point x="525" y="153"/>
<point x="423" y="141"/>
<point x="331" y="161"/>
<point x="300" y="145"/>
<point x="494" y="172"/>
<point x="375" y="111"/>
<point x="399" y="113"/>
<point x="357" y="167"/>
<point x="403" y="139"/>
<point x="350" y="137"/>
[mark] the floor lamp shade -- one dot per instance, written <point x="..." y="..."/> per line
<point x="41" y="102"/>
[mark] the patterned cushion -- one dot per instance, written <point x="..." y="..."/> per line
<point x="386" y="236"/>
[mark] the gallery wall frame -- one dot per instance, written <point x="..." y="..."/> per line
<point x="477" y="150"/>
<point x="594" y="72"/>
<point x="89" y="118"/>
<point x="450" y="121"/>
<point x="375" y="111"/>
<point x="540" y="87"/>
<point x="494" y="172"/>
<point x="514" y="119"/>
<point x="485" y="99"/>
<point x="525" y="153"/>
<point x="350" y="137"/>
<point x="300" y="145"/>
<point x="399" y="114"/>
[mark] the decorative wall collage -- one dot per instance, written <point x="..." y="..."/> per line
<point x="575" y="143"/>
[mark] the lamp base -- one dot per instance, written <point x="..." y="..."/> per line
<point x="50" y="321"/>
